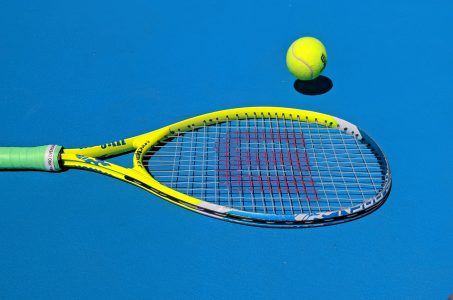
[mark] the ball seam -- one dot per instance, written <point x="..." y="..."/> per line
<point x="302" y="61"/>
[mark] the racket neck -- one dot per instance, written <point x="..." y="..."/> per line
<point x="105" y="150"/>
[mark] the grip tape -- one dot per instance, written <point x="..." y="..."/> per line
<point x="43" y="158"/>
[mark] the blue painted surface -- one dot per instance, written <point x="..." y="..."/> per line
<point x="84" y="73"/>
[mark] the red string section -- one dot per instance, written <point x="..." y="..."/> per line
<point x="265" y="162"/>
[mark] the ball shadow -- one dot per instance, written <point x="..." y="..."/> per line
<point x="318" y="86"/>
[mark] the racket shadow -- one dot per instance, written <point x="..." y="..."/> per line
<point x="318" y="86"/>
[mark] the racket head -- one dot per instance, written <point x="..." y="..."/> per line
<point x="261" y="166"/>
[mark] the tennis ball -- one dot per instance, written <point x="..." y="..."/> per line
<point x="306" y="58"/>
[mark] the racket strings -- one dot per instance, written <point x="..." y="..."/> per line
<point x="268" y="165"/>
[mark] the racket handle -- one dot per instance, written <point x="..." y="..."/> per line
<point x="43" y="158"/>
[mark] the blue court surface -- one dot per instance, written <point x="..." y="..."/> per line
<point x="86" y="73"/>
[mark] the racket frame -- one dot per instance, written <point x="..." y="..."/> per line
<point x="93" y="159"/>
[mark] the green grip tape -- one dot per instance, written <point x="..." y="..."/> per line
<point x="44" y="158"/>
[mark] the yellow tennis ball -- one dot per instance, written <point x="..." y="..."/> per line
<point x="306" y="58"/>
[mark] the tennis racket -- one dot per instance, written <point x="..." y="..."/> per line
<point x="263" y="166"/>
